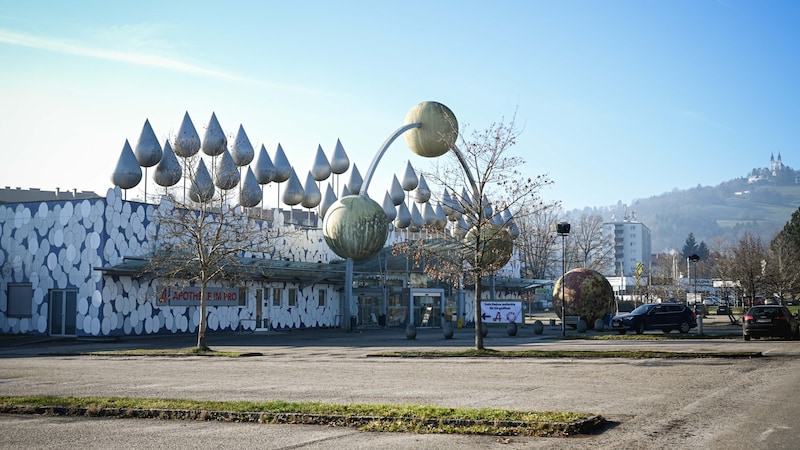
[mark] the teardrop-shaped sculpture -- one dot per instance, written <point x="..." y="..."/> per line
<point x="168" y="171"/>
<point x="409" y="181"/>
<point x="507" y="217"/>
<point x="459" y="229"/>
<point x="449" y="205"/>
<point x="396" y="191"/>
<point x="487" y="207"/>
<point x="389" y="207"/>
<point x="226" y="174"/>
<point x="428" y="216"/>
<point x="327" y="200"/>
<point x="339" y="161"/>
<point x="187" y="141"/>
<point x="416" y="218"/>
<point x="283" y="170"/>
<point x="251" y="194"/>
<point x="148" y="150"/>
<point x="311" y="194"/>
<point x="214" y="140"/>
<point x="265" y="171"/>
<point x="403" y="219"/>
<point x="422" y="193"/>
<point x="497" y="219"/>
<point x="441" y="217"/>
<point x="127" y="174"/>
<point x="293" y="194"/>
<point x="321" y="168"/>
<point x="514" y="230"/>
<point x="467" y="203"/>
<point x="242" y="151"/>
<point x="355" y="181"/>
<point x="202" y="188"/>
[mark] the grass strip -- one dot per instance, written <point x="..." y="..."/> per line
<point x="194" y="351"/>
<point x="366" y="417"/>
<point x="489" y="353"/>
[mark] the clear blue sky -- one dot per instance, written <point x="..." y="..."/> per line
<point x="617" y="99"/>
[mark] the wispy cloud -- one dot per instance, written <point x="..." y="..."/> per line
<point x="141" y="59"/>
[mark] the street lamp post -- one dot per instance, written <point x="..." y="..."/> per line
<point x="694" y="258"/>
<point x="563" y="230"/>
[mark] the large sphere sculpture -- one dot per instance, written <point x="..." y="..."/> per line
<point x="588" y="294"/>
<point x="355" y="227"/>
<point x="494" y="241"/>
<point x="438" y="132"/>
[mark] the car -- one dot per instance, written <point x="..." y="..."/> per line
<point x="656" y="316"/>
<point x="770" y="321"/>
<point x="723" y="310"/>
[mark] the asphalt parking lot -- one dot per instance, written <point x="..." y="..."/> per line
<point x="650" y="403"/>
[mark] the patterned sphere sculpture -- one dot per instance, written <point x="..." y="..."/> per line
<point x="588" y="294"/>
<point x="355" y="227"/>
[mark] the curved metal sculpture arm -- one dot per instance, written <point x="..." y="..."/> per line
<point x="464" y="166"/>
<point x="374" y="164"/>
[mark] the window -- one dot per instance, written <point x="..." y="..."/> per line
<point x="242" y="297"/>
<point x="276" y="297"/>
<point x="322" y="299"/>
<point x="20" y="300"/>
<point x="293" y="297"/>
<point x="259" y="295"/>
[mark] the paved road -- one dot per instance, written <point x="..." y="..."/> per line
<point x="652" y="403"/>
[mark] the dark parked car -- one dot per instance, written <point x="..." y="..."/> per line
<point x="769" y="321"/>
<point x="656" y="316"/>
<point x="723" y="310"/>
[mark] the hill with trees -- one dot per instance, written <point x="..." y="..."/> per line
<point x="760" y="203"/>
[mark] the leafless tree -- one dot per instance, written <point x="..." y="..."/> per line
<point x="782" y="275"/>
<point x="493" y="190"/>
<point x="537" y="245"/>
<point x="205" y="239"/>
<point x="747" y="265"/>
<point x="589" y="249"/>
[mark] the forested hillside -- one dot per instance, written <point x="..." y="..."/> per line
<point x="714" y="214"/>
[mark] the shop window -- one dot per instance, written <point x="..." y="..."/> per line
<point x="276" y="297"/>
<point x="292" y="297"/>
<point x="322" y="299"/>
<point x="242" y="296"/>
<point x="20" y="300"/>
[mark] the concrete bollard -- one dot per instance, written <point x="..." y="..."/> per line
<point x="538" y="327"/>
<point x="411" y="332"/>
<point x="599" y="325"/>
<point x="511" y="329"/>
<point x="447" y="330"/>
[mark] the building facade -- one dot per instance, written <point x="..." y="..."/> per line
<point x="629" y="244"/>
<point x="72" y="267"/>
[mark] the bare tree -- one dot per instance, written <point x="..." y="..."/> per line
<point x="537" y="244"/>
<point x="782" y="277"/>
<point x="588" y="244"/>
<point x="747" y="265"/>
<point x="493" y="191"/>
<point x="205" y="239"/>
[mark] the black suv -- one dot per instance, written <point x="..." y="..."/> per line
<point x="656" y="316"/>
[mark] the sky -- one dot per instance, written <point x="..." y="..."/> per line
<point x="615" y="100"/>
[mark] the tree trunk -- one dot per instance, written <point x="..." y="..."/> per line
<point x="478" y="319"/>
<point x="201" y="328"/>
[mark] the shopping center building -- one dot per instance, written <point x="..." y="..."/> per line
<point x="74" y="264"/>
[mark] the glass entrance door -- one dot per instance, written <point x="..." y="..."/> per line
<point x="369" y="310"/>
<point x="427" y="311"/>
<point x="262" y="310"/>
<point x="63" y="312"/>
